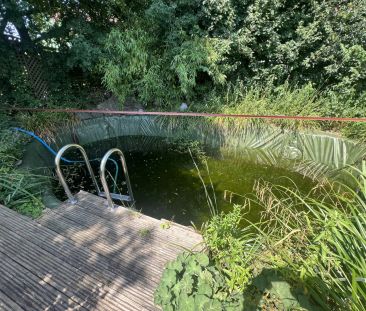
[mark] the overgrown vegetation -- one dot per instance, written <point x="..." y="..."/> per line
<point x="64" y="40"/>
<point x="307" y="252"/>
<point x="188" y="51"/>
<point x="316" y="242"/>
<point x="210" y="54"/>
<point x="281" y="57"/>
<point x="191" y="282"/>
<point x="19" y="189"/>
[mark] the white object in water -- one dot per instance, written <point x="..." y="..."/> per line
<point x="183" y="107"/>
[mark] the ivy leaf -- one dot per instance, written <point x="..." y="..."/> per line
<point x="213" y="305"/>
<point x="185" y="302"/>
<point x="193" y="267"/>
<point x="162" y="296"/>
<point x="183" y="257"/>
<point x="176" y="289"/>
<point x="206" y="277"/>
<point x="283" y="291"/>
<point x="200" y="301"/>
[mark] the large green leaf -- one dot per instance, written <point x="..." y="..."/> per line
<point x="204" y="289"/>
<point x="187" y="284"/>
<point x="202" y="259"/>
<point x="185" y="302"/>
<point x="175" y="265"/>
<point x="169" y="277"/>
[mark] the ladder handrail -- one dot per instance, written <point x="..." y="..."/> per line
<point x="61" y="177"/>
<point x="103" y="164"/>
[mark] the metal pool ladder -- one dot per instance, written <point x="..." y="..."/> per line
<point x="124" y="198"/>
<point x="71" y="197"/>
<point x="107" y="194"/>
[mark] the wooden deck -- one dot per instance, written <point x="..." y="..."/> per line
<point x="85" y="257"/>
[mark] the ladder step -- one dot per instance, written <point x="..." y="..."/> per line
<point x="116" y="196"/>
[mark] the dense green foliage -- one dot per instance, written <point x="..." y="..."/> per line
<point x="253" y="56"/>
<point x="184" y="50"/>
<point x="224" y="238"/>
<point x="191" y="282"/>
<point x="165" y="52"/>
<point x="19" y="189"/>
<point x="66" y="36"/>
<point x="316" y="243"/>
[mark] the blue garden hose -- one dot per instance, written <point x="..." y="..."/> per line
<point x="18" y="129"/>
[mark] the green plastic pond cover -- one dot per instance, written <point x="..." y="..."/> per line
<point x="312" y="154"/>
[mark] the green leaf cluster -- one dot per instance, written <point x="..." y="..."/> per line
<point x="228" y="244"/>
<point x="64" y="36"/>
<point x="195" y="48"/>
<point x="191" y="282"/>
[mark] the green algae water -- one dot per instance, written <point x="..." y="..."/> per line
<point x="167" y="184"/>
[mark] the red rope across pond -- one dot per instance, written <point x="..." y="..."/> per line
<point x="189" y="114"/>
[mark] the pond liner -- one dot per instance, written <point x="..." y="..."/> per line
<point x="311" y="153"/>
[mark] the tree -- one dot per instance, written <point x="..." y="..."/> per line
<point x="67" y="36"/>
<point x="193" y="47"/>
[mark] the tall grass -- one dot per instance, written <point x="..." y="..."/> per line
<point x="321" y="239"/>
<point x="46" y="124"/>
<point x="209" y="192"/>
<point x="317" y="241"/>
<point x="19" y="189"/>
<point x="259" y="99"/>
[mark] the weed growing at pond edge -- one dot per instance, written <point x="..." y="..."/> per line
<point x="144" y="233"/>
<point x="19" y="189"/>
<point x="308" y="252"/>
<point x="192" y="282"/>
<point x="316" y="244"/>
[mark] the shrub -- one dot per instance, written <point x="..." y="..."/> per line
<point x="193" y="48"/>
<point x="223" y="236"/>
<point x="191" y="282"/>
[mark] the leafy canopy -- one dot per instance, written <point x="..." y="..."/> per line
<point x="189" y="48"/>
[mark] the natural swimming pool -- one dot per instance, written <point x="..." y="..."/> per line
<point x="165" y="180"/>
<point x="169" y="181"/>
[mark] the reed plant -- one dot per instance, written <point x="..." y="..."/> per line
<point x="20" y="189"/>
<point x="316" y="241"/>
<point x="46" y="124"/>
<point x="320" y="239"/>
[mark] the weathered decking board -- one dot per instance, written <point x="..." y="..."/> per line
<point x="85" y="257"/>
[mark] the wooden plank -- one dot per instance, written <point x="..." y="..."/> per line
<point x="138" y="295"/>
<point x="126" y="219"/>
<point x="107" y="301"/>
<point x="7" y="304"/>
<point x="82" y="256"/>
<point x="63" y="278"/>
<point x="37" y="266"/>
<point x="111" y="231"/>
<point x="42" y="235"/>
<point x="87" y="237"/>
<point x="163" y="250"/>
<point x="66" y="249"/>
<point x="85" y="257"/>
<point x="97" y="205"/>
<point x="30" y="292"/>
